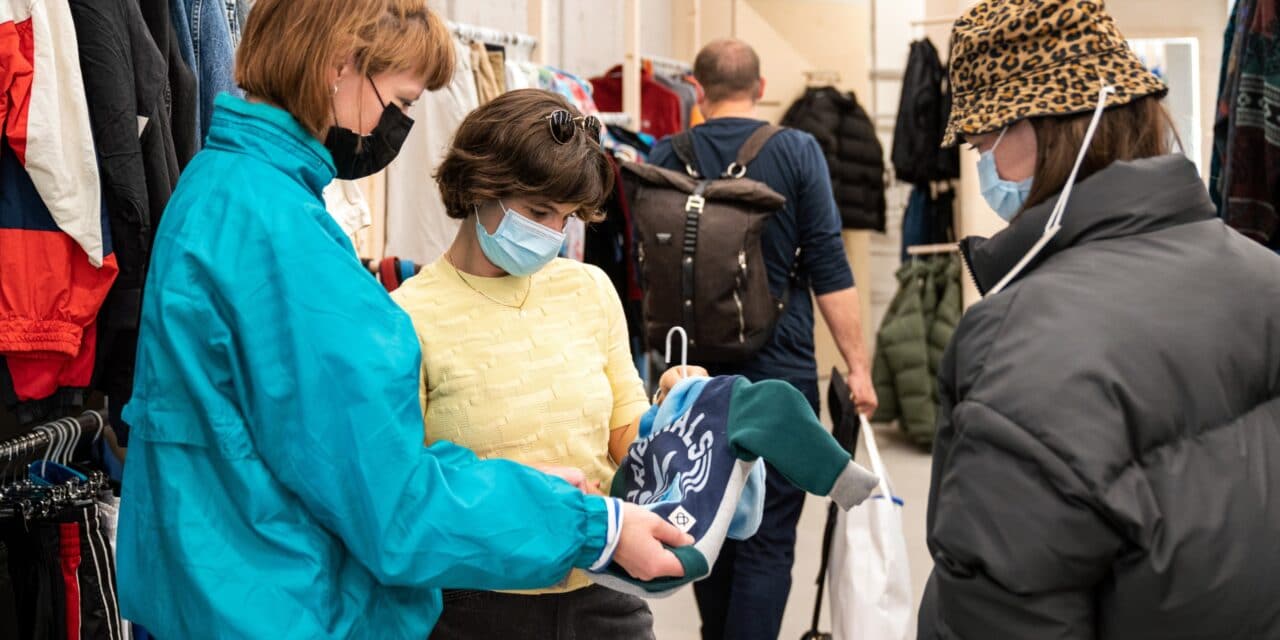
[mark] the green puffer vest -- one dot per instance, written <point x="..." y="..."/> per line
<point x="910" y="343"/>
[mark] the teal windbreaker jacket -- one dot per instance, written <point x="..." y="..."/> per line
<point x="277" y="485"/>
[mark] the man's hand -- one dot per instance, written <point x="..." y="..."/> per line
<point x="673" y="376"/>
<point x="640" y="549"/>
<point x="863" y="391"/>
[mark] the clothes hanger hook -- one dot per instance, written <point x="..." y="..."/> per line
<point x="60" y="437"/>
<point x="64" y="437"/>
<point x="77" y="431"/>
<point x="684" y="348"/>
<point x="48" y="450"/>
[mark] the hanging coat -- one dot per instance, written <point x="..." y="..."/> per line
<point x="277" y="483"/>
<point x="925" y="105"/>
<point x="45" y="120"/>
<point x="910" y="343"/>
<point x="853" y="152"/>
<point x="1246" y="159"/>
<point x="127" y="87"/>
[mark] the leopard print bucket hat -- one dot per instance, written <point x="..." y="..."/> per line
<point x="1016" y="59"/>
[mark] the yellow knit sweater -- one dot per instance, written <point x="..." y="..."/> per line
<point x="539" y="384"/>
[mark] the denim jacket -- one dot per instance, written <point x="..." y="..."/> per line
<point x="208" y="33"/>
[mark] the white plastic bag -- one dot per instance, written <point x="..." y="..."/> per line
<point x="870" y="578"/>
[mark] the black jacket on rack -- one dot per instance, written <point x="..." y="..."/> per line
<point x="132" y="111"/>
<point x="917" y="154"/>
<point x="180" y="95"/>
<point x="853" y="152"/>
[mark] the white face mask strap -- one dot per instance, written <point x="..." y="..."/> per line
<point x="999" y="138"/>
<point x="1055" y="220"/>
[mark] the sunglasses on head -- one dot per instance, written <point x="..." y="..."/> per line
<point x="564" y="125"/>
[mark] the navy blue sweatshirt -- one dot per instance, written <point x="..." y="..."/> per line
<point x="793" y="165"/>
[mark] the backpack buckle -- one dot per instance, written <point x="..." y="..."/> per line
<point x="695" y="203"/>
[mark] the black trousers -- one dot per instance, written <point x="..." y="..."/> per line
<point x="8" y="604"/>
<point x="585" y="614"/>
<point x="99" y="607"/>
<point x="35" y="570"/>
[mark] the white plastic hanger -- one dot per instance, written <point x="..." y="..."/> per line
<point x="684" y="349"/>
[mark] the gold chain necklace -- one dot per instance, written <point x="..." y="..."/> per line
<point x="520" y="307"/>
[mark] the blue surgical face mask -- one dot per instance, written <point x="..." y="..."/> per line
<point x="520" y="246"/>
<point x="1005" y="196"/>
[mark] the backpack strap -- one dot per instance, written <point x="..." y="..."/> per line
<point x="682" y="143"/>
<point x="750" y="149"/>
<point x="692" y="212"/>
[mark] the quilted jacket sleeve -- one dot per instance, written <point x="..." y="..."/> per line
<point x="1002" y="568"/>
<point x="998" y="504"/>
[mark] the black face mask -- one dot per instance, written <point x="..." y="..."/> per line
<point x="357" y="156"/>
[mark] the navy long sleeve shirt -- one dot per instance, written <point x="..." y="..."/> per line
<point x="793" y="165"/>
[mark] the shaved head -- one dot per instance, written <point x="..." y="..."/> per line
<point x="728" y="69"/>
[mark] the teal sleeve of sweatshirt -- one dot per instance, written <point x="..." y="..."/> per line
<point x="772" y="420"/>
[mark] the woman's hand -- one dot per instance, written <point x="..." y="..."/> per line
<point x="673" y="376"/>
<point x="573" y="476"/>
<point x="640" y="549"/>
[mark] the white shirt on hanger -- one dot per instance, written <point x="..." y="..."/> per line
<point x="417" y="225"/>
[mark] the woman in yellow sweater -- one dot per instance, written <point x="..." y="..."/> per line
<point x="526" y="356"/>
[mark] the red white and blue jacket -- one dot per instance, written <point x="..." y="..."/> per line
<point x="45" y="117"/>
<point x="56" y="265"/>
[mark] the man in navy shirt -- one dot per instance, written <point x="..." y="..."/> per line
<point x="745" y="595"/>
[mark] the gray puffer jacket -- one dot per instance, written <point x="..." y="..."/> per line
<point x="1107" y="463"/>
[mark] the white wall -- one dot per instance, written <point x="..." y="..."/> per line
<point x="584" y="37"/>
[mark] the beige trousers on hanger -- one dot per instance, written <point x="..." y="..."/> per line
<point x="487" y="85"/>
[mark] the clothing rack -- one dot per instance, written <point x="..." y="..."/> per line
<point x="821" y="78"/>
<point x="492" y="36"/>
<point x="668" y="66"/>
<point x="90" y="424"/>
<point x="934" y="22"/>
<point x="615" y="118"/>
<point x="933" y="249"/>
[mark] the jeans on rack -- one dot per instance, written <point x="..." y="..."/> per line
<point x="205" y="37"/>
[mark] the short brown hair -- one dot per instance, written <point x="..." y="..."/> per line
<point x="504" y="149"/>
<point x="1139" y="129"/>
<point x="289" y="45"/>
<point x="726" y="69"/>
